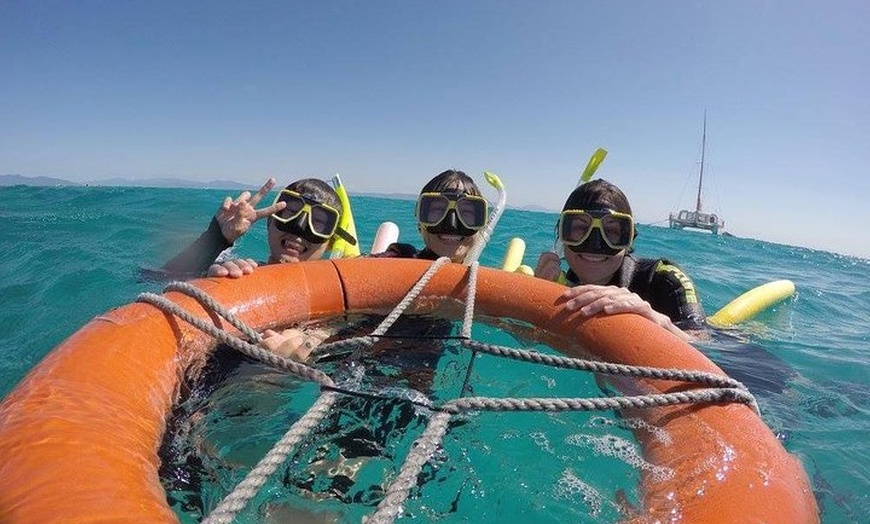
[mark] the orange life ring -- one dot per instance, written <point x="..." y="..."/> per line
<point x="79" y="435"/>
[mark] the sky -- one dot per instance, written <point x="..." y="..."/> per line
<point x="390" y="93"/>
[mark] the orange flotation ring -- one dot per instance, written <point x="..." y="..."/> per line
<point x="79" y="435"/>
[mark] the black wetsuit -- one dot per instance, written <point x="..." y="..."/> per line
<point x="661" y="283"/>
<point x="671" y="292"/>
<point x="407" y="251"/>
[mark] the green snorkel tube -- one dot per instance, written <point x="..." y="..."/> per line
<point x="592" y="166"/>
<point x="485" y="234"/>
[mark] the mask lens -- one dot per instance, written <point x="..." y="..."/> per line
<point x="323" y="220"/>
<point x="575" y="227"/>
<point x="471" y="211"/>
<point x="319" y="223"/>
<point x="295" y="203"/>
<point x="432" y="208"/>
<point x="617" y="231"/>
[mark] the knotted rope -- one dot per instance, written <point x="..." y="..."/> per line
<point x="720" y="389"/>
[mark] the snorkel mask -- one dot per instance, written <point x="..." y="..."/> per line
<point x="452" y="213"/>
<point x="600" y="231"/>
<point x="305" y="217"/>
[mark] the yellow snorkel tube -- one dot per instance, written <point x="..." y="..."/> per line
<point x="592" y="165"/>
<point x="339" y="246"/>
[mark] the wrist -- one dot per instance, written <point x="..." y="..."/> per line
<point x="216" y="229"/>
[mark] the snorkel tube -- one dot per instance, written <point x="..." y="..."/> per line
<point x="591" y="167"/>
<point x="594" y="161"/>
<point x="480" y="243"/>
<point x="339" y="246"/>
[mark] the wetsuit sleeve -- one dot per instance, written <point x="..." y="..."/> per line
<point x="673" y="293"/>
<point x="197" y="257"/>
<point x="397" y="251"/>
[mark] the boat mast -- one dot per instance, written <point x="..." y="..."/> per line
<point x="701" y="178"/>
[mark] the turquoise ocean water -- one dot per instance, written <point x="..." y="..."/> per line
<point x="68" y="254"/>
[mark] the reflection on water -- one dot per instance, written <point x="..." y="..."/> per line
<point x="551" y="467"/>
<point x="238" y="408"/>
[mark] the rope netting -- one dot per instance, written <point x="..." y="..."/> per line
<point x="714" y="388"/>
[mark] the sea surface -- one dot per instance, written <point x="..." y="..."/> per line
<point x="68" y="254"/>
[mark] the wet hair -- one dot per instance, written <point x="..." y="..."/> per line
<point x="598" y="193"/>
<point x="452" y="179"/>
<point x="316" y="189"/>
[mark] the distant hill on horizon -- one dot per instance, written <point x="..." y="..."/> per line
<point x="18" y="180"/>
<point x="15" y="180"/>
<point x="180" y="183"/>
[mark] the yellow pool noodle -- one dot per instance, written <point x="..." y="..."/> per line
<point x="525" y="270"/>
<point x="513" y="256"/>
<point x="752" y="303"/>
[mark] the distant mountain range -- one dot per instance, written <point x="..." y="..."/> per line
<point x="19" y="180"/>
<point x="15" y="180"/>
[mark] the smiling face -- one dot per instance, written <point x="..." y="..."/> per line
<point x="453" y="246"/>
<point x="308" y="200"/>
<point x="289" y="247"/>
<point x="595" y="256"/>
<point x="593" y="268"/>
<point x="447" y="241"/>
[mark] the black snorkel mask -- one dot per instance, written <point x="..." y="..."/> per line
<point x="594" y="245"/>
<point x="306" y="217"/>
<point x="450" y="226"/>
<point x="599" y="231"/>
<point x="299" y="227"/>
<point x="452" y="213"/>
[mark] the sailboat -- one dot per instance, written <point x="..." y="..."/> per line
<point x="697" y="219"/>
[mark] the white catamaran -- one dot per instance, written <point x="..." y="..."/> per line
<point x="697" y="219"/>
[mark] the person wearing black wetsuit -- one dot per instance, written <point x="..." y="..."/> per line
<point x="661" y="283"/>
<point x="301" y="221"/>
<point x="451" y="212"/>
<point x="362" y="431"/>
<point x="596" y="229"/>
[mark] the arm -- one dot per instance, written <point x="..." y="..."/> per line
<point x="590" y="300"/>
<point x="199" y="255"/>
<point x="232" y="220"/>
<point x="549" y="266"/>
<point x="672" y="292"/>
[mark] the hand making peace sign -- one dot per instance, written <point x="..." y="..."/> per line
<point x="236" y="216"/>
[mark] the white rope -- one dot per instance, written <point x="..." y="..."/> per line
<point x="720" y="389"/>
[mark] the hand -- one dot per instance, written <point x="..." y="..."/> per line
<point x="591" y="299"/>
<point x="233" y="268"/>
<point x="290" y="343"/>
<point x="236" y="216"/>
<point x="549" y="266"/>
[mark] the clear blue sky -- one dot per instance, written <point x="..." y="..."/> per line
<point x="390" y="93"/>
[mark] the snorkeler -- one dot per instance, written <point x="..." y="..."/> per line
<point x="451" y="212"/>
<point x="597" y="230"/>
<point x="302" y="219"/>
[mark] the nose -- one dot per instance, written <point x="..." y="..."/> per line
<point x="301" y="222"/>
<point x="452" y="219"/>
<point x="595" y="241"/>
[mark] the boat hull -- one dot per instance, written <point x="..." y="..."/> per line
<point x="697" y="220"/>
